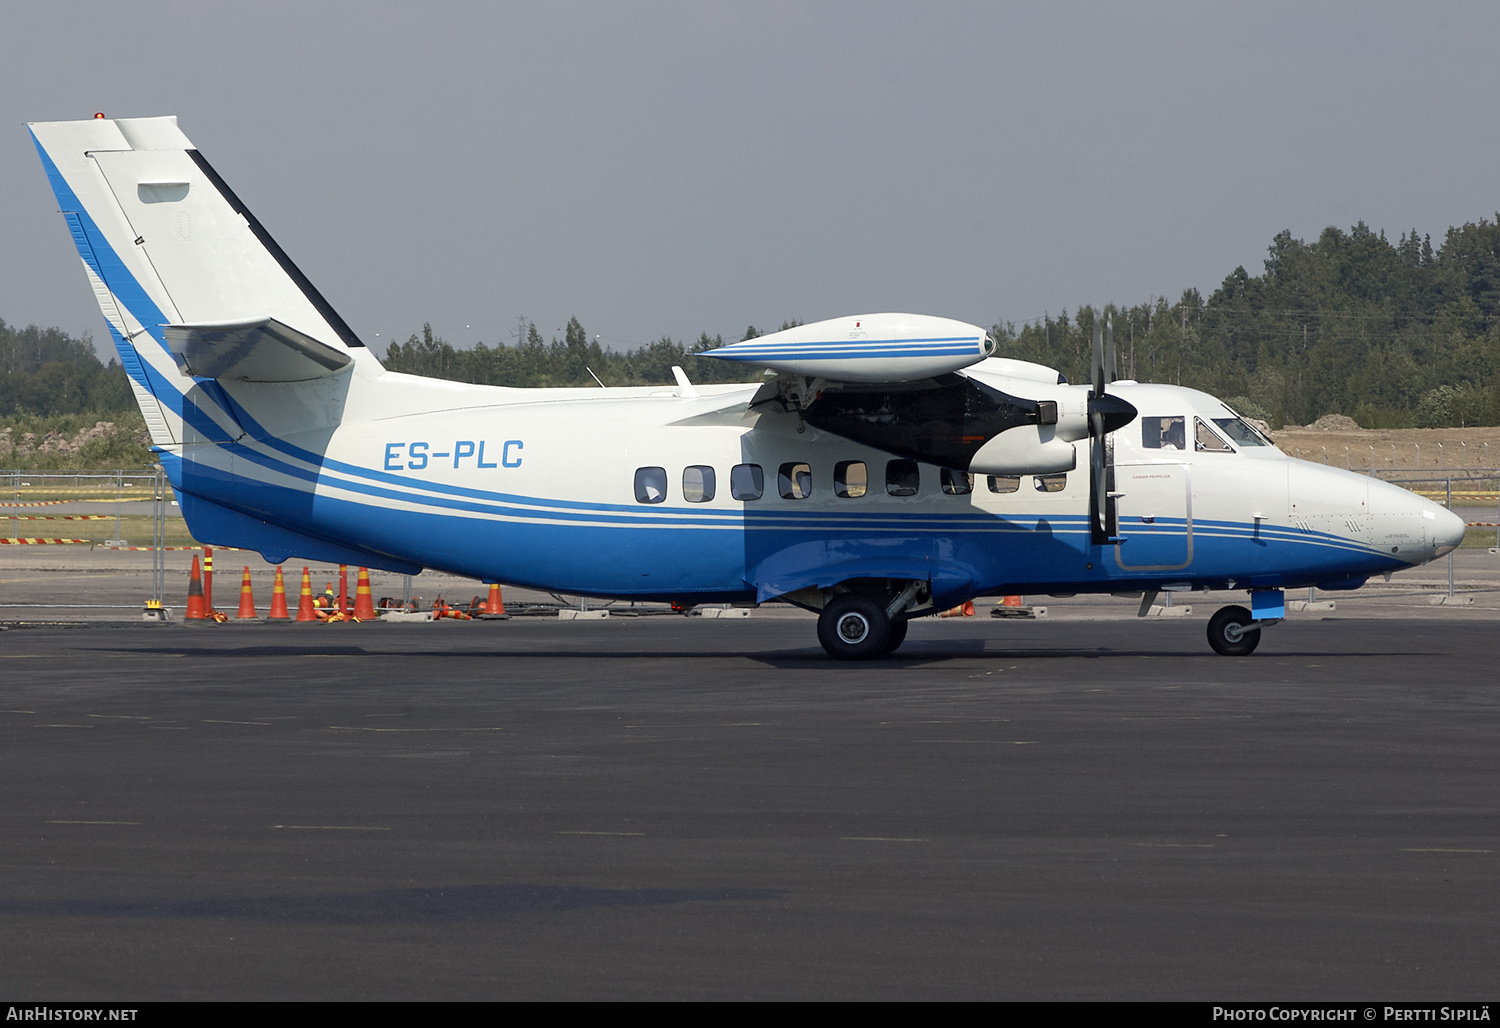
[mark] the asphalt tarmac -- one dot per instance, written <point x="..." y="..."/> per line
<point x="693" y="808"/>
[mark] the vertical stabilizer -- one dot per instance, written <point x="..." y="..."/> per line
<point x="165" y="243"/>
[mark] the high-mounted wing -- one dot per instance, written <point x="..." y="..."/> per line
<point x="866" y="348"/>
<point x="930" y="389"/>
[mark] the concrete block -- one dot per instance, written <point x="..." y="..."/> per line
<point x="1158" y="611"/>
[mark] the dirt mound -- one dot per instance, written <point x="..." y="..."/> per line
<point x="1334" y="423"/>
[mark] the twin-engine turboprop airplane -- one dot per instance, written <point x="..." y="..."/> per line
<point x="887" y="467"/>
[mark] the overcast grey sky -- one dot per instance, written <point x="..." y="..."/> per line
<point x="671" y="168"/>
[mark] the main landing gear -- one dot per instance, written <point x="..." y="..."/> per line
<point x="856" y="626"/>
<point x="853" y="627"/>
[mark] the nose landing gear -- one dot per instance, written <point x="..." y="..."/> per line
<point x="1230" y="632"/>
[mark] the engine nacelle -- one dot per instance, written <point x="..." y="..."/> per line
<point x="1028" y="450"/>
<point x="866" y="348"/>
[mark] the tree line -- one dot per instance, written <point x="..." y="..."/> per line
<point x="1393" y="335"/>
<point x="567" y="361"/>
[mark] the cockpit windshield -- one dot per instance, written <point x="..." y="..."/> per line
<point x="1241" y="432"/>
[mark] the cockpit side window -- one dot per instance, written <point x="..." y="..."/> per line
<point x="1206" y="440"/>
<point x="1164" y="433"/>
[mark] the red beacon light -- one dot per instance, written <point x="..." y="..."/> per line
<point x="98" y="114"/>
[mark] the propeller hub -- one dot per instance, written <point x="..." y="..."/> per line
<point x="1115" y="412"/>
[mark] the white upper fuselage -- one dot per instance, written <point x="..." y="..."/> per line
<point x="281" y="432"/>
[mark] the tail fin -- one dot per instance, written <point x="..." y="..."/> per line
<point x="188" y="279"/>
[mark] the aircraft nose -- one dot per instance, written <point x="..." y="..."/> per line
<point x="1448" y="533"/>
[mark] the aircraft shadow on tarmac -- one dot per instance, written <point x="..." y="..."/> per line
<point x="441" y="905"/>
<point x="915" y="653"/>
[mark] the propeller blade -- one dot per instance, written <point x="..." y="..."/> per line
<point x="1098" y="480"/>
<point x="1096" y="360"/>
<point x="1109" y="350"/>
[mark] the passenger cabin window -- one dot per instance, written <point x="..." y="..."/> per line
<point x="957" y="483"/>
<point x="902" y="477"/>
<point x="851" y="479"/>
<point x="1004" y="483"/>
<point x="1050" y="483"/>
<point x="747" y="482"/>
<point x="1164" y="433"/>
<point x="794" y="481"/>
<point x="650" y="485"/>
<point x="1206" y="440"/>
<point x="698" y="484"/>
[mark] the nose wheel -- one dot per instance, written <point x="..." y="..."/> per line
<point x="1230" y="634"/>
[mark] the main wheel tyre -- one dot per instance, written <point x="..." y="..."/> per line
<point x="1229" y="632"/>
<point x="853" y="628"/>
<point x="897" y="635"/>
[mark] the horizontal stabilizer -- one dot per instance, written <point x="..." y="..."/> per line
<point x="866" y="348"/>
<point x="259" y="350"/>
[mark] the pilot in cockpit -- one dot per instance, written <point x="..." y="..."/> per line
<point x="1173" y="434"/>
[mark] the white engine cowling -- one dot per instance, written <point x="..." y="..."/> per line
<point x="867" y="348"/>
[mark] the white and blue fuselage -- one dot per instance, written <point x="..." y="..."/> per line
<point x="282" y="433"/>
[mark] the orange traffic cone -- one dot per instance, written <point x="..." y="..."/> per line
<point x="495" y="604"/>
<point x="364" y="604"/>
<point x="278" y="599"/>
<point x="305" y="611"/>
<point x="196" y="609"/>
<point x="247" y="600"/>
<point x="963" y="610"/>
<point x="1012" y="601"/>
